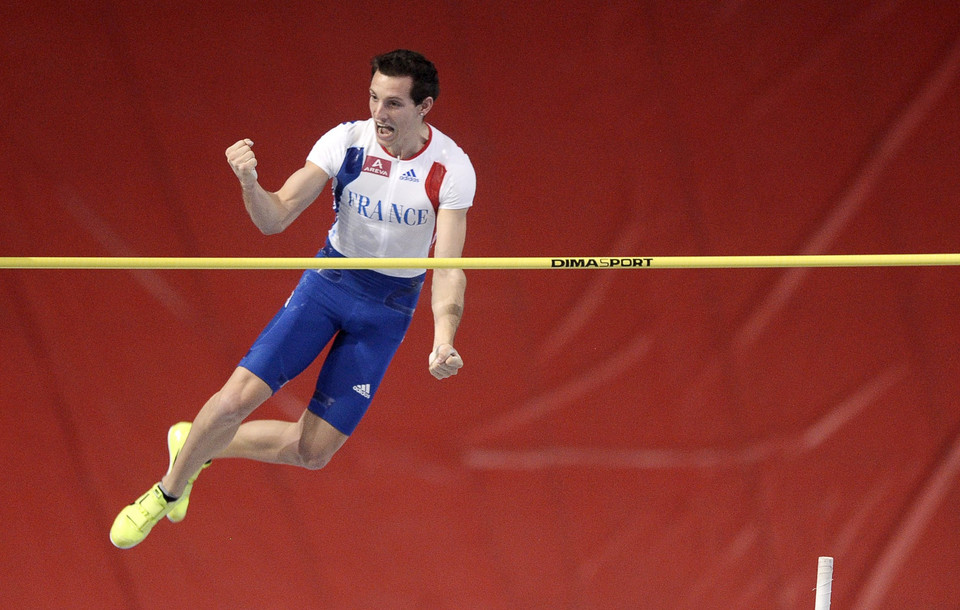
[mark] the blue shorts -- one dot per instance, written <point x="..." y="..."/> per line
<point x="366" y="313"/>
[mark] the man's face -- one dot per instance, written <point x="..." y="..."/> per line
<point x="398" y="119"/>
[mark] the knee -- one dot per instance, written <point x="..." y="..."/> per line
<point x="238" y="399"/>
<point x="318" y="441"/>
<point x="230" y="407"/>
<point x="314" y="459"/>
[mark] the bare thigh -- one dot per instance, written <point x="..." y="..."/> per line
<point x="318" y="440"/>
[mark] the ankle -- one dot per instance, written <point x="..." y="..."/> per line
<point x="167" y="494"/>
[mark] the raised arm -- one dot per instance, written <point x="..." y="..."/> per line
<point x="272" y="212"/>
<point x="447" y="293"/>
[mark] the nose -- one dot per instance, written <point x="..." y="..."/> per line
<point x="376" y="110"/>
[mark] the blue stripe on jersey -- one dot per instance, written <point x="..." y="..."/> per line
<point x="349" y="170"/>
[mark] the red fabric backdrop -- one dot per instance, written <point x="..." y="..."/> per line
<point x="652" y="439"/>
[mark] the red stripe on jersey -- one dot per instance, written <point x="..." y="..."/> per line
<point x="434" y="180"/>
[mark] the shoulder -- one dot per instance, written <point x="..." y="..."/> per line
<point x="350" y="132"/>
<point x="443" y="147"/>
<point x="329" y="151"/>
<point x="447" y="153"/>
<point x="458" y="180"/>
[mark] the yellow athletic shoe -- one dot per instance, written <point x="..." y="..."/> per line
<point x="176" y="437"/>
<point x="135" y="521"/>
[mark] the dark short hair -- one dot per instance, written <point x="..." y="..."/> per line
<point x="401" y="62"/>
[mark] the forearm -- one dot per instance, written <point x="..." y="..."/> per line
<point x="264" y="208"/>
<point x="449" y="286"/>
<point x="273" y="212"/>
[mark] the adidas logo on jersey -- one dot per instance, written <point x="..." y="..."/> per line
<point x="363" y="389"/>
<point x="409" y="176"/>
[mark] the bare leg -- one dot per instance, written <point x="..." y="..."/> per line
<point x="309" y="442"/>
<point x="215" y="426"/>
<point x="219" y="431"/>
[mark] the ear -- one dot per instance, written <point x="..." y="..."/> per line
<point x="425" y="106"/>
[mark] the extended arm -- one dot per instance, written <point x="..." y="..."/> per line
<point x="274" y="212"/>
<point x="447" y="293"/>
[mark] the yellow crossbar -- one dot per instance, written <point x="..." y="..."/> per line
<point x="559" y="262"/>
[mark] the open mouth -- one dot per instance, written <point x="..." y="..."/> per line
<point x="384" y="131"/>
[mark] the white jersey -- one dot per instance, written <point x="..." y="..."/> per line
<point x="385" y="206"/>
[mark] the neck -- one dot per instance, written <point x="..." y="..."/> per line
<point x="405" y="150"/>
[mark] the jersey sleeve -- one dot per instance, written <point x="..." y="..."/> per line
<point x="330" y="149"/>
<point x="459" y="185"/>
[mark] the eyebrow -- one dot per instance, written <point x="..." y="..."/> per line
<point x="389" y="97"/>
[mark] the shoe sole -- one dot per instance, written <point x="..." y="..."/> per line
<point x="175" y="429"/>
<point x="184" y="428"/>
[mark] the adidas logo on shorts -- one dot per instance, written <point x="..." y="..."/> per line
<point x="363" y="389"/>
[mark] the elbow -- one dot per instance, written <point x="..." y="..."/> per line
<point x="271" y="227"/>
<point x="449" y="286"/>
<point x="270" y="219"/>
<point x="452" y="310"/>
<point x="455" y="277"/>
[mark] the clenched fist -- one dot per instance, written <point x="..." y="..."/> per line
<point x="243" y="162"/>
<point x="445" y="362"/>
